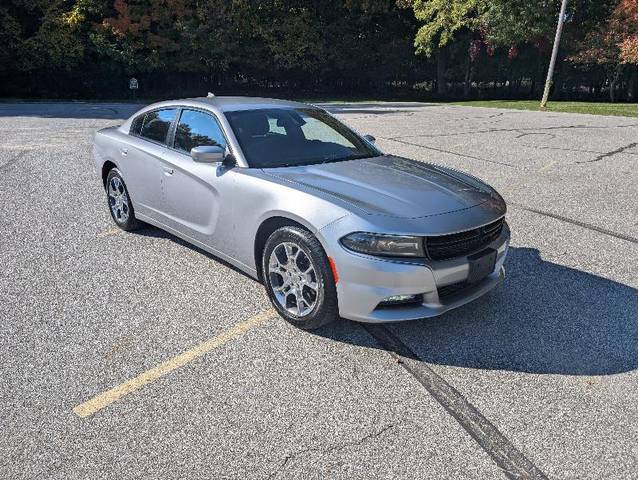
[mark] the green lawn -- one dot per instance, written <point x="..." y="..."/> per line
<point x="622" y="109"/>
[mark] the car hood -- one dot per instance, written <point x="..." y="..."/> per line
<point x="390" y="185"/>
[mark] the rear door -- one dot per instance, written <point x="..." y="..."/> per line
<point x="195" y="193"/>
<point x="147" y="144"/>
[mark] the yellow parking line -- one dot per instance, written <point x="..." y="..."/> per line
<point x="547" y="166"/>
<point x="104" y="399"/>
<point x="110" y="232"/>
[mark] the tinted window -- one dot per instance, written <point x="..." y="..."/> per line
<point x="196" y="129"/>
<point x="277" y="137"/>
<point x="315" y="129"/>
<point x="157" y="123"/>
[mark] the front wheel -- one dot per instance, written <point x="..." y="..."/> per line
<point x="298" y="278"/>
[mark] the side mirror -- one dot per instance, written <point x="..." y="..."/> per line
<point x="370" y="138"/>
<point x="208" y="154"/>
<point x="229" y="161"/>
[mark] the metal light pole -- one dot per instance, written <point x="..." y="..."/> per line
<point x="552" y="62"/>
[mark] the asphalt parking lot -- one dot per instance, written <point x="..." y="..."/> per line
<point x="537" y="379"/>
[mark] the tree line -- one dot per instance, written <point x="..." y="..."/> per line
<point x="350" y="48"/>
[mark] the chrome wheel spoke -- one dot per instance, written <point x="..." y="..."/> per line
<point x="282" y="288"/>
<point x="311" y="284"/>
<point x="118" y="200"/>
<point x="291" y="253"/>
<point x="293" y="279"/>
<point x="301" y="303"/>
<point x="276" y="269"/>
<point x="274" y="265"/>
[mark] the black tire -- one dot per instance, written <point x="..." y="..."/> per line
<point x="124" y="216"/>
<point x="325" y="309"/>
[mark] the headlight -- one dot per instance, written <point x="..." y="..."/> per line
<point x="384" y="245"/>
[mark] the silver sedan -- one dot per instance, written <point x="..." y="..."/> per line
<point x="293" y="197"/>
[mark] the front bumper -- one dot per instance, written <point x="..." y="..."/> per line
<point x="365" y="281"/>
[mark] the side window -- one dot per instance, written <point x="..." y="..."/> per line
<point x="197" y="129"/>
<point x="274" y="126"/>
<point x="136" y="125"/>
<point x="157" y="123"/>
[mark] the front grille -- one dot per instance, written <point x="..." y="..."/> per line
<point x="463" y="243"/>
<point x="451" y="289"/>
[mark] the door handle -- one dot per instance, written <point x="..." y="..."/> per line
<point x="124" y="151"/>
<point x="168" y="171"/>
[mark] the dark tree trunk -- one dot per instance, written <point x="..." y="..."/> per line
<point x="468" y="78"/>
<point x="441" y="82"/>
<point x="613" y="74"/>
<point x="537" y="77"/>
<point x="538" y="83"/>
<point x="631" y="86"/>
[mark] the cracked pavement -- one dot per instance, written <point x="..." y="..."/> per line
<point x="545" y="366"/>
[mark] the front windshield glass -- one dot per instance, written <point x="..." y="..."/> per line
<point x="284" y="137"/>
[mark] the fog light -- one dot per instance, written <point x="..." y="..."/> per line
<point x="401" y="300"/>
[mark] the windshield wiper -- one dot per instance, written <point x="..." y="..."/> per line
<point x="321" y="161"/>
<point x="336" y="158"/>
<point x="331" y="158"/>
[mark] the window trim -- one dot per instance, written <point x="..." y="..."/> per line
<point x="168" y="133"/>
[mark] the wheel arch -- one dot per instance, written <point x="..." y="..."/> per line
<point x="266" y="228"/>
<point x="106" y="168"/>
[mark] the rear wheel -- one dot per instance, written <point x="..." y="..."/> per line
<point x="119" y="201"/>
<point x="298" y="278"/>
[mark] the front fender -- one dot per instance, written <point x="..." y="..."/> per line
<point x="258" y="199"/>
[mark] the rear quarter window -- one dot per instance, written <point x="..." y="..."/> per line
<point x="136" y="125"/>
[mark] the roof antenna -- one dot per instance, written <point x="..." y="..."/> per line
<point x="210" y="95"/>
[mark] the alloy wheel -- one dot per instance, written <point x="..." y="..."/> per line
<point x="293" y="279"/>
<point x="118" y="200"/>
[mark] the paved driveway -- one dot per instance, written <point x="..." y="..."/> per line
<point x="136" y="356"/>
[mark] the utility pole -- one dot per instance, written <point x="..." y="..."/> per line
<point x="552" y="62"/>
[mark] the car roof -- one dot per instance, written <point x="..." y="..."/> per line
<point x="230" y="104"/>
<point x="218" y="105"/>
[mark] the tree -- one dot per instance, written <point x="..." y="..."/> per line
<point x="625" y="20"/>
<point x="516" y="22"/>
<point x="90" y="48"/>
<point x="10" y="39"/>
<point x="145" y="35"/>
<point x="36" y="35"/>
<point x="613" y="44"/>
<point x="443" y="21"/>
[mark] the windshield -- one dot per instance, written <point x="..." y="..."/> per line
<point x="285" y="137"/>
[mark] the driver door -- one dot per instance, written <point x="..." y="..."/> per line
<point x="193" y="193"/>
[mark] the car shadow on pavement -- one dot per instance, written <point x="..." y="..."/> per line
<point x="545" y="318"/>
<point x="154" y="232"/>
